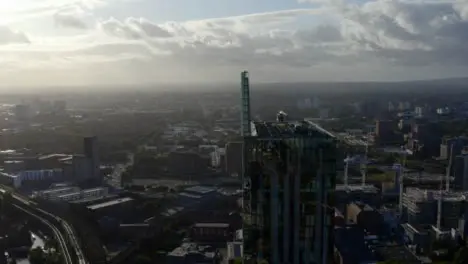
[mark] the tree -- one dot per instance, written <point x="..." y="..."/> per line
<point x="50" y="243"/>
<point x="461" y="256"/>
<point x="142" y="259"/>
<point x="237" y="261"/>
<point x="36" y="256"/>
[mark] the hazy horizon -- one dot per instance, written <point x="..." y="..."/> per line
<point x="102" y="43"/>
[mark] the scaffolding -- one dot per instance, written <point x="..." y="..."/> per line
<point x="422" y="206"/>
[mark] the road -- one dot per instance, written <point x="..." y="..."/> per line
<point x="30" y="208"/>
<point x="57" y="234"/>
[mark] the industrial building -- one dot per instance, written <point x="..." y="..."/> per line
<point x="289" y="183"/>
<point x="69" y="194"/>
<point x="120" y="208"/>
<point x="51" y="194"/>
<point x="210" y="232"/>
<point x="31" y="177"/>
<point x="42" y="170"/>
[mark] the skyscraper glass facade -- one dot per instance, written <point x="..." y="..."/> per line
<point x="289" y="181"/>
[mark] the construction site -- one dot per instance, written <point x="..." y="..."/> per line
<point x="432" y="207"/>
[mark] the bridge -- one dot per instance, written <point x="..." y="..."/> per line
<point x="62" y="231"/>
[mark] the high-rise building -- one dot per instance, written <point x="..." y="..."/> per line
<point x="289" y="183"/>
<point x="91" y="152"/>
<point x="234" y="158"/>
<point x="289" y="177"/>
<point x="460" y="172"/>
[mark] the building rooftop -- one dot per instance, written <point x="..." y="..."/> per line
<point x="192" y="248"/>
<point x="58" y="190"/>
<point x="211" y="225"/>
<point x="110" y="203"/>
<point x="418" y="194"/>
<point x="184" y="194"/>
<point x="420" y="229"/>
<point x="54" y="156"/>
<point x="356" y="188"/>
<point x="173" y="211"/>
<point x="200" y="189"/>
<point x="78" y="193"/>
<point x="288" y="129"/>
<point x="93" y="190"/>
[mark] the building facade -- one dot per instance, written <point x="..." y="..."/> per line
<point x="92" y="153"/>
<point x="289" y="183"/>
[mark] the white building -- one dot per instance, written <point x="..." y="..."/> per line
<point x="18" y="179"/>
<point x="53" y="193"/>
<point x="419" y="111"/>
<point x="83" y="194"/>
<point x="216" y="157"/>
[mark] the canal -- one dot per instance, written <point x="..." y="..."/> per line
<point x="37" y="242"/>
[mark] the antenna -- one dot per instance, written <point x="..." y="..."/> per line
<point x="449" y="168"/>
<point x="245" y="111"/>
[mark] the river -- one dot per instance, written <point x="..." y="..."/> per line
<point x="37" y="242"/>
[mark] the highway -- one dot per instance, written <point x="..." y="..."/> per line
<point x="65" y="228"/>
<point x="58" y="236"/>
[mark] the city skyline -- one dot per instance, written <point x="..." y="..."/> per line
<point x="133" y="42"/>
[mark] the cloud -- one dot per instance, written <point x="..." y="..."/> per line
<point x="374" y="40"/>
<point x="133" y="28"/>
<point x="8" y="36"/>
<point x="71" y="17"/>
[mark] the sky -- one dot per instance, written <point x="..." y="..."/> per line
<point x="140" y="42"/>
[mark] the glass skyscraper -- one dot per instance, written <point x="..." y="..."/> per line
<point x="289" y="182"/>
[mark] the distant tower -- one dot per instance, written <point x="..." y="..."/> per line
<point x="281" y="116"/>
<point x="91" y="152"/>
<point x="245" y="111"/>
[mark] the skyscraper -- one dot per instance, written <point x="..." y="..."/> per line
<point x="91" y="152"/>
<point x="289" y="181"/>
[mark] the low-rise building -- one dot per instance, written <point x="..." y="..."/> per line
<point x="192" y="253"/>
<point x="115" y="208"/>
<point x="210" y="232"/>
<point x="83" y="194"/>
